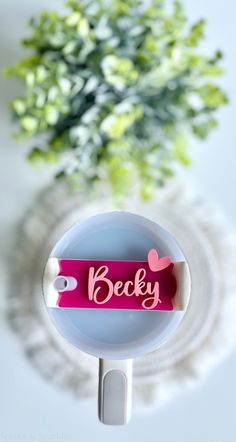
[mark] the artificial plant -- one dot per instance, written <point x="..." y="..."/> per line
<point x="112" y="90"/>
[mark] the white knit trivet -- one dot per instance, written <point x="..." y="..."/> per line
<point x="208" y="331"/>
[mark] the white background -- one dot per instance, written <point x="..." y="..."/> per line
<point x="32" y="409"/>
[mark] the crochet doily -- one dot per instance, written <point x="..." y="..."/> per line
<point x="204" y="337"/>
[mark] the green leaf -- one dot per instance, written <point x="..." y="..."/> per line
<point x="51" y="114"/>
<point x="29" y="124"/>
<point x="180" y="150"/>
<point x="73" y="19"/>
<point x="212" y="95"/>
<point x="19" y="106"/>
<point x="196" y="33"/>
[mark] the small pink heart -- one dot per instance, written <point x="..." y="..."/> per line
<point x="155" y="263"/>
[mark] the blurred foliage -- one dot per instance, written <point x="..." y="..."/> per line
<point x="113" y="89"/>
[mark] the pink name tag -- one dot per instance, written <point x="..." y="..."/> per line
<point x="109" y="284"/>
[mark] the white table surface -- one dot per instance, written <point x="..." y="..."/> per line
<point x="31" y="409"/>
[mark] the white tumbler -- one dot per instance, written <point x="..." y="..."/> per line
<point x="115" y="336"/>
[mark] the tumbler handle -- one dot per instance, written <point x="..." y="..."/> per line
<point x="115" y="391"/>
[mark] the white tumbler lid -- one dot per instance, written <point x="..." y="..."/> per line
<point x="116" y="334"/>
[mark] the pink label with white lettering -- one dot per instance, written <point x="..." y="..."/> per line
<point x="107" y="284"/>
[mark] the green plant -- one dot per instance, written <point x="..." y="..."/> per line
<point x="115" y="87"/>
